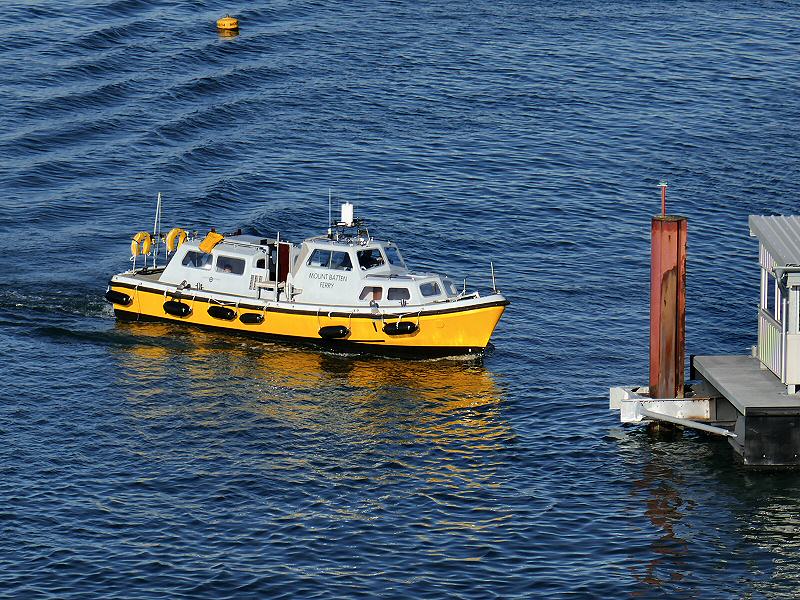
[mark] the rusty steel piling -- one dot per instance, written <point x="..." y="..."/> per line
<point x="667" y="303"/>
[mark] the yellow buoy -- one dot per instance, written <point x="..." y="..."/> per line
<point x="228" y="23"/>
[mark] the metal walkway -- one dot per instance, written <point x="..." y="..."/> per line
<point x="748" y="387"/>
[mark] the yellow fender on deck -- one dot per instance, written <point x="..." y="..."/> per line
<point x="211" y="240"/>
<point x="141" y="243"/>
<point x="175" y="238"/>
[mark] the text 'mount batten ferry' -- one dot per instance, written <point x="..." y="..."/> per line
<point x="344" y="291"/>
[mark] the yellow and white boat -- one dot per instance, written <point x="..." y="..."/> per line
<point x="343" y="291"/>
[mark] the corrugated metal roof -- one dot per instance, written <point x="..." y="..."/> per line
<point x="780" y="236"/>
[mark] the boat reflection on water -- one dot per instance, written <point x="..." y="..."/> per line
<point x="208" y="372"/>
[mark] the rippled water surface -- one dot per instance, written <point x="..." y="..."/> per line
<point x="153" y="461"/>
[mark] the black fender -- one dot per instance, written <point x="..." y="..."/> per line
<point x="177" y="309"/>
<point x="120" y="298"/>
<point x="400" y="328"/>
<point x="251" y="318"/>
<point x="333" y="332"/>
<point x="222" y="312"/>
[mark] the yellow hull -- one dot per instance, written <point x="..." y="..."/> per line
<point x="444" y="332"/>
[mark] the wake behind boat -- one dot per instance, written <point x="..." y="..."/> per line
<point x="344" y="291"/>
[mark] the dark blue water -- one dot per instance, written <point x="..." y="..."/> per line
<point x="153" y="461"/>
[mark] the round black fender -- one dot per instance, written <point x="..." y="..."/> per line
<point x="400" y="328"/>
<point x="251" y="318"/>
<point x="222" y="312"/>
<point x="120" y="298"/>
<point x="177" y="309"/>
<point x="333" y="332"/>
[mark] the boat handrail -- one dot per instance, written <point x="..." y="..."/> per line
<point x="230" y="242"/>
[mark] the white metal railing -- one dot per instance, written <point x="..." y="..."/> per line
<point x="770" y="343"/>
<point x="765" y="258"/>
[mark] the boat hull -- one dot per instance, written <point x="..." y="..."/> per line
<point x="447" y="331"/>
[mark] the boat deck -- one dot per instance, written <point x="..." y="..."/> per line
<point x="747" y="386"/>
<point x="155" y="276"/>
<point x="148" y="276"/>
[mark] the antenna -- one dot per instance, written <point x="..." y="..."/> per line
<point x="156" y="230"/>
<point x="330" y="218"/>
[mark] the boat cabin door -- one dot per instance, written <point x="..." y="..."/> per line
<point x="283" y="261"/>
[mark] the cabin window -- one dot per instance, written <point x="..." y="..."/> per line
<point x="319" y="258"/>
<point x="430" y="289"/>
<point x="369" y="259"/>
<point x="341" y="261"/>
<point x="228" y="264"/>
<point x="393" y="256"/>
<point x="449" y="287"/>
<point x="371" y="293"/>
<point x="398" y="294"/>
<point x="329" y="259"/>
<point x="197" y="260"/>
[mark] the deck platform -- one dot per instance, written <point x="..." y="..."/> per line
<point x="767" y="417"/>
<point x="750" y="388"/>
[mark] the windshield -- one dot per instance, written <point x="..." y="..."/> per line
<point x="369" y="259"/>
<point x="449" y="288"/>
<point x="393" y="256"/>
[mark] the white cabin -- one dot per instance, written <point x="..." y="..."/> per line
<point x="372" y="272"/>
<point x="779" y="306"/>
<point x="241" y="265"/>
<point x="321" y="271"/>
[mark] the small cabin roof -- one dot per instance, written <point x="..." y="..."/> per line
<point x="256" y="240"/>
<point x="229" y="248"/>
<point x="780" y="236"/>
<point x="323" y="240"/>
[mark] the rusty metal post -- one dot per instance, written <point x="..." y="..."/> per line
<point x="667" y="306"/>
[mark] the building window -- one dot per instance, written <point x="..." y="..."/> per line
<point x="770" y="299"/>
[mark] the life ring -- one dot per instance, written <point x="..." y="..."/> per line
<point x="141" y="243"/>
<point x="175" y="238"/>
